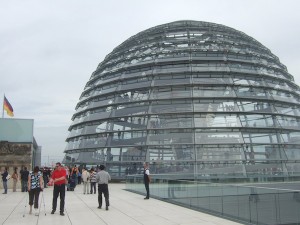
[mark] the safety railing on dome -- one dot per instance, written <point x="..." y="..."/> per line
<point x="248" y="202"/>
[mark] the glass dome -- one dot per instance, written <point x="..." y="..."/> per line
<point x="193" y="99"/>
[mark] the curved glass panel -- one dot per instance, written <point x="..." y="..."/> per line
<point x="189" y="97"/>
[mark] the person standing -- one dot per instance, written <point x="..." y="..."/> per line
<point x="79" y="176"/>
<point x="59" y="180"/>
<point x="24" y="179"/>
<point x="93" y="180"/>
<point x="35" y="186"/>
<point x="147" y="179"/>
<point x="74" y="174"/>
<point x="73" y="178"/>
<point x="15" y="177"/>
<point x="102" y="179"/>
<point x="85" y="180"/>
<point x="4" y="175"/>
<point x="45" y="176"/>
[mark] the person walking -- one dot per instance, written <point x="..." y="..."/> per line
<point x="59" y="177"/>
<point x="147" y="179"/>
<point x="15" y="177"/>
<point x="93" y="180"/>
<point x="102" y="179"/>
<point x="35" y="186"/>
<point x="85" y="179"/>
<point x="4" y="175"/>
<point x="24" y="179"/>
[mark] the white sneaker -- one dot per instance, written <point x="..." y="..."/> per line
<point x="36" y="212"/>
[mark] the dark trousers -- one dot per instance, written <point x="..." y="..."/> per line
<point x="45" y="178"/>
<point x="147" y="189"/>
<point x="5" y="186"/>
<point x="59" y="190"/>
<point x="103" y="188"/>
<point x="93" y="186"/>
<point x="24" y="184"/>
<point x="34" y="195"/>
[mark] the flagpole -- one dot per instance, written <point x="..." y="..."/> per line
<point x="3" y="106"/>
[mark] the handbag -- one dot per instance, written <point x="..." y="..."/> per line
<point x="8" y="177"/>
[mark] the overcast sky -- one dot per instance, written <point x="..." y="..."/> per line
<point x="49" y="49"/>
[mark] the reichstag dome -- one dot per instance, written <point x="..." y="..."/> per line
<point x="192" y="98"/>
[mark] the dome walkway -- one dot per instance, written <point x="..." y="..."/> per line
<point x="126" y="208"/>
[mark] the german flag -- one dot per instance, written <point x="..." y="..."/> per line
<point x="7" y="107"/>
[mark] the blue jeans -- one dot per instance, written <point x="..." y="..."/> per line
<point x="5" y="186"/>
<point x="24" y="184"/>
<point x="93" y="186"/>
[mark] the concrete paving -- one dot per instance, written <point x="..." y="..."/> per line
<point x="126" y="208"/>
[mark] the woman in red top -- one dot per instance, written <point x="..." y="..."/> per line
<point x="59" y="177"/>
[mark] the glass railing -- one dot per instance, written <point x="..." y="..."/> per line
<point x="248" y="202"/>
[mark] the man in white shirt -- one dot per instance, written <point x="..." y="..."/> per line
<point x="85" y="176"/>
<point x="147" y="179"/>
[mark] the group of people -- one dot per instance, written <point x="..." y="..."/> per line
<point x="23" y="177"/>
<point x="89" y="181"/>
<point x="59" y="179"/>
<point x="86" y="177"/>
<point x="30" y="181"/>
<point x="15" y="177"/>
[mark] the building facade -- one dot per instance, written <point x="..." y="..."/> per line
<point x="18" y="147"/>
<point x="192" y="98"/>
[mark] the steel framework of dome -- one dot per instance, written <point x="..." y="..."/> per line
<point x="192" y="98"/>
